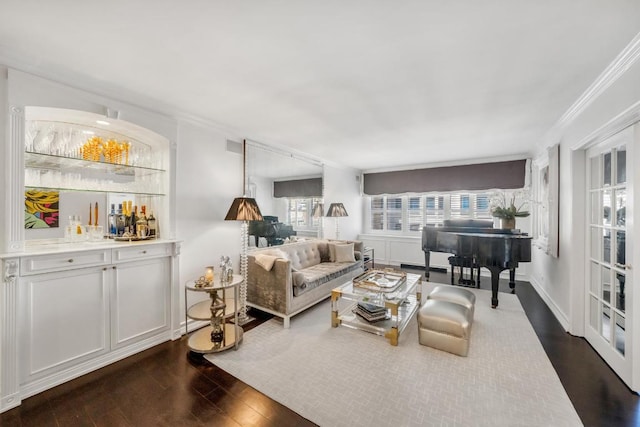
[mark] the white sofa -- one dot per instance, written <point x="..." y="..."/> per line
<point x="285" y="280"/>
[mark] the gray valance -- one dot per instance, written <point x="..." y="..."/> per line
<point x="309" y="187"/>
<point x="476" y="177"/>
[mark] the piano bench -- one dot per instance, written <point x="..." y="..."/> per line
<point x="445" y="326"/>
<point x="453" y="294"/>
<point x="463" y="263"/>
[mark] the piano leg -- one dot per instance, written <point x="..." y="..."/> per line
<point x="495" y="281"/>
<point x="512" y="280"/>
<point x="427" y="259"/>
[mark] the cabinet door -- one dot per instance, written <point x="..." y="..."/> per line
<point x="140" y="301"/>
<point x="63" y="320"/>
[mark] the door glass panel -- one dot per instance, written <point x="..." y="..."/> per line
<point x="596" y="210"/>
<point x="606" y="207"/>
<point x="605" y="318"/>
<point x="620" y="333"/>
<point x="621" y="207"/>
<point x="606" y="169"/>
<point x="606" y="284"/>
<point x="621" y="167"/>
<point x="593" y="313"/>
<point x="595" y="173"/>
<point x="606" y="246"/>
<point x="596" y="243"/>
<point x="621" y="242"/>
<point x="595" y="278"/>
<point x="621" y="279"/>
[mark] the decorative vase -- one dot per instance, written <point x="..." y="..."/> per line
<point x="507" y="223"/>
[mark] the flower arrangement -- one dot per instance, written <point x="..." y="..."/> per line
<point x="505" y="207"/>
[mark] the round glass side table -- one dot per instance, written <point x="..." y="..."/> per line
<point x="222" y="333"/>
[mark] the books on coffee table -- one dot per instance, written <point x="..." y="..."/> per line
<point x="370" y="312"/>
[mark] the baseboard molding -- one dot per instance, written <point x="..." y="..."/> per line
<point x="557" y="312"/>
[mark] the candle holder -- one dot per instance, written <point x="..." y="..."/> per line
<point x="208" y="275"/>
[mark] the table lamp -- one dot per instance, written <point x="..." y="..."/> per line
<point x="337" y="210"/>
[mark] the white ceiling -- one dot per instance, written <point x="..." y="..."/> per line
<point x="367" y="83"/>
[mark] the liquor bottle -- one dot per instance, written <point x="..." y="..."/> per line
<point x="113" y="230"/>
<point x="152" y="224"/>
<point x="126" y="211"/>
<point x="132" y="221"/>
<point x="142" y="226"/>
<point x="121" y="222"/>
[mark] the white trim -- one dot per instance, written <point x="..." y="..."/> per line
<point x="620" y="122"/>
<point x="555" y="309"/>
<point x="625" y="59"/>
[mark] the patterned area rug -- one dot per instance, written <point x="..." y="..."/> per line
<point x="345" y="377"/>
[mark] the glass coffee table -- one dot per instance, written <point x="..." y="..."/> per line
<point x="400" y="301"/>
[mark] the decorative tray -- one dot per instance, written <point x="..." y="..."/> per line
<point x="130" y="239"/>
<point x="380" y="280"/>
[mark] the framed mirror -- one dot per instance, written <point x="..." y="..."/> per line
<point x="287" y="188"/>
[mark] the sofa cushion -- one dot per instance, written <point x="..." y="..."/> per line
<point x="322" y="273"/>
<point x="344" y="253"/>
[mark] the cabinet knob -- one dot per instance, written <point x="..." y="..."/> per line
<point x="113" y="268"/>
<point x="144" y="252"/>
<point x="70" y="260"/>
<point x="104" y="269"/>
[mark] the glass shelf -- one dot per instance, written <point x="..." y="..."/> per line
<point x="86" y="190"/>
<point x="69" y="164"/>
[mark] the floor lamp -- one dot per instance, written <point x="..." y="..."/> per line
<point x="318" y="212"/>
<point x="337" y="210"/>
<point x="244" y="209"/>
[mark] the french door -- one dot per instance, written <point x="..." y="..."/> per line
<point x="608" y="325"/>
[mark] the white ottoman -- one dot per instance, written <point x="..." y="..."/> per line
<point x="454" y="294"/>
<point x="445" y="325"/>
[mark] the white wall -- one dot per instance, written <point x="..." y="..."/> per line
<point x="208" y="179"/>
<point x="561" y="281"/>
<point x="342" y="185"/>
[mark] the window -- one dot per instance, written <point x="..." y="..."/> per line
<point x="407" y="214"/>
<point x="299" y="213"/>
<point x="394" y="213"/>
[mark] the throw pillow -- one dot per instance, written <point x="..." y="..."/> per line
<point x="332" y="251"/>
<point x="265" y="261"/>
<point x="344" y="253"/>
<point x="323" y="248"/>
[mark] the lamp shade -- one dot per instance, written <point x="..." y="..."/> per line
<point x="244" y="209"/>
<point x="318" y="210"/>
<point x="337" y="209"/>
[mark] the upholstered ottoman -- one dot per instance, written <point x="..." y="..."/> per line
<point x="445" y="325"/>
<point x="452" y="294"/>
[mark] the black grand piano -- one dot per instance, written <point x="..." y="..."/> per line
<point x="271" y="229"/>
<point x="493" y="248"/>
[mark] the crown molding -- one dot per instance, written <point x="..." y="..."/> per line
<point x="620" y="122"/>
<point x="610" y="75"/>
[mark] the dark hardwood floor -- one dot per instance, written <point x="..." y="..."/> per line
<point x="168" y="386"/>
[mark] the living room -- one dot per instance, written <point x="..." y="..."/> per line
<point x="369" y="99"/>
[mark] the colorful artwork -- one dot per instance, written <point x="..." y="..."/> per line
<point x="41" y="209"/>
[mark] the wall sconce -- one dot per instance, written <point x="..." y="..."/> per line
<point x="318" y="212"/>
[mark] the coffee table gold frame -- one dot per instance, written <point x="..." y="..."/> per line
<point x="401" y="306"/>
